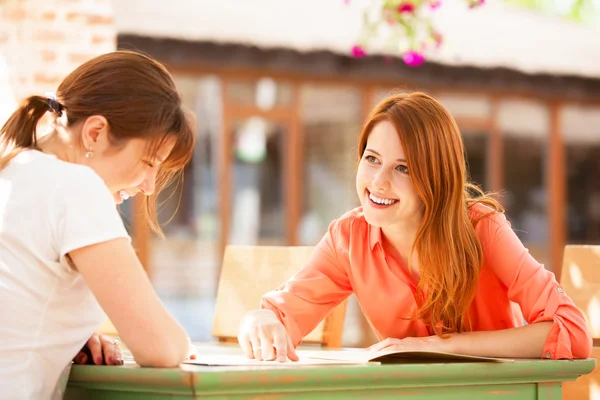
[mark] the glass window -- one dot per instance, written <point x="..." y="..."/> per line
<point x="184" y="265"/>
<point x="264" y="93"/>
<point x="525" y="126"/>
<point x="465" y="105"/>
<point x="581" y="135"/>
<point x="258" y="211"/>
<point x="476" y="144"/>
<point x="331" y="119"/>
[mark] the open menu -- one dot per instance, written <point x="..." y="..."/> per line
<point x="345" y="357"/>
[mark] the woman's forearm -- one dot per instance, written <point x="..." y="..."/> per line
<point x="523" y="342"/>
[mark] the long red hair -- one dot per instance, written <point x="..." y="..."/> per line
<point x="449" y="253"/>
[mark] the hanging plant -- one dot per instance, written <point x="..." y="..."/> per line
<point x="402" y="27"/>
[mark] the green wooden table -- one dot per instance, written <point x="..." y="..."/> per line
<point x="523" y="379"/>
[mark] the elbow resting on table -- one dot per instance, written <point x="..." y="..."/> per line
<point x="582" y="349"/>
<point x="169" y="353"/>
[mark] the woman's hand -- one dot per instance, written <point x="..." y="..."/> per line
<point x="99" y="350"/>
<point x="263" y="337"/>
<point x="427" y="343"/>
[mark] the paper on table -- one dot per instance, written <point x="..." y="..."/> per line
<point x="404" y="356"/>
<point x="240" y="360"/>
<point x="344" y="357"/>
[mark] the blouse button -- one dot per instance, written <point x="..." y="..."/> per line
<point x="559" y="290"/>
<point x="548" y="355"/>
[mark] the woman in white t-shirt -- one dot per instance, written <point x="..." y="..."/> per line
<point x="65" y="257"/>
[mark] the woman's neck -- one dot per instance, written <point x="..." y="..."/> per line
<point x="60" y="144"/>
<point x="400" y="239"/>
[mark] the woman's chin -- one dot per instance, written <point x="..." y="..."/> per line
<point x="371" y="219"/>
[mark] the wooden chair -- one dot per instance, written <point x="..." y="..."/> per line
<point x="247" y="273"/>
<point x="580" y="277"/>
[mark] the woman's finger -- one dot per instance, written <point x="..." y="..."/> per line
<point x="81" y="358"/>
<point x="266" y="343"/>
<point x="280" y="344"/>
<point x="118" y="354"/>
<point x="244" y="341"/>
<point x="108" y="349"/>
<point x="291" y="351"/>
<point x="95" y="348"/>
<point x="256" y="347"/>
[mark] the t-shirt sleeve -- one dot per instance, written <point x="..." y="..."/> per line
<point x="84" y="213"/>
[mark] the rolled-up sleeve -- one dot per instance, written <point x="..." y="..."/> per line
<point x="537" y="292"/>
<point x="310" y="295"/>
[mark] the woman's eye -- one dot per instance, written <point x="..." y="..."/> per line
<point x="402" y="168"/>
<point x="371" y="159"/>
<point x="149" y="164"/>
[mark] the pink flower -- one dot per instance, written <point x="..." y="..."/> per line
<point x="346" y="2"/>
<point x="358" y="52"/>
<point x="476" y="3"/>
<point x="413" y="58"/>
<point x="406" y="7"/>
<point x="433" y="4"/>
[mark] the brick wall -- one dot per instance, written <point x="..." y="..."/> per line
<point x="42" y="41"/>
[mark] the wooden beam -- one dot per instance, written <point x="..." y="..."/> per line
<point x="278" y="114"/>
<point x="495" y="173"/>
<point x="224" y="172"/>
<point x="368" y="101"/>
<point x="555" y="176"/>
<point x="294" y="179"/>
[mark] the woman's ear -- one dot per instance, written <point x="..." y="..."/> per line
<point x="94" y="133"/>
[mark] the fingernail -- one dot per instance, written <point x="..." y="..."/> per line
<point x="281" y="358"/>
<point x="98" y="360"/>
<point x="110" y="360"/>
<point x="81" y="359"/>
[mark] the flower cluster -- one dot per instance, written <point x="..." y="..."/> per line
<point x="404" y="25"/>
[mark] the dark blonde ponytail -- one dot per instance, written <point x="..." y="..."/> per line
<point x="19" y="131"/>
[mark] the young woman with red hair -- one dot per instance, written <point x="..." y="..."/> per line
<point x="432" y="260"/>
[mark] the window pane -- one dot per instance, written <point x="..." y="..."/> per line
<point x="525" y="130"/>
<point x="476" y="154"/>
<point x="463" y="105"/>
<point x="264" y="93"/>
<point x="258" y="212"/>
<point x="330" y="129"/>
<point x="184" y="266"/>
<point x="581" y="132"/>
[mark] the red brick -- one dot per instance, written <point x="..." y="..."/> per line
<point x="50" y="36"/>
<point x="95" y="19"/>
<point x="80" y="58"/>
<point x="102" y="39"/>
<point x="14" y="13"/>
<point x="49" y="16"/>
<point x="91" y="19"/>
<point x="41" y="78"/>
<point x="4" y="37"/>
<point x="73" y="16"/>
<point x="48" y="55"/>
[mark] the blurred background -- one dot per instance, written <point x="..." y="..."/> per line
<point x="281" y="93"/>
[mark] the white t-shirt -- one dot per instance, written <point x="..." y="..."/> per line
<point x="48" y="208"/>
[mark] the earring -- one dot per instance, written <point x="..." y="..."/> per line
<point x="89" y="153"/>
